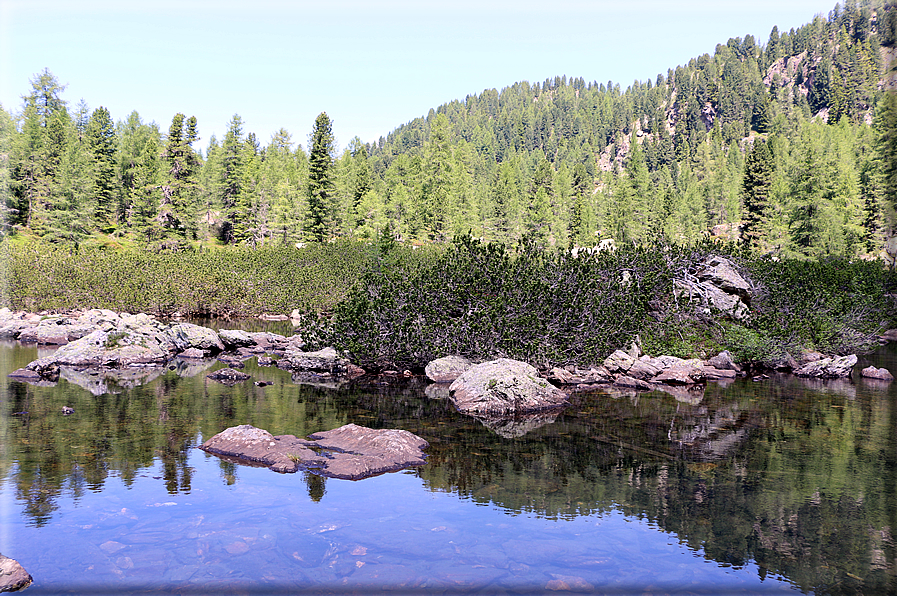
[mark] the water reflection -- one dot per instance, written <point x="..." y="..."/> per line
<point x="796" y="477"/>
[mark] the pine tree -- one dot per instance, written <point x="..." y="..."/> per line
<point x="755" y="188"/>
<point x="319" y="217"/>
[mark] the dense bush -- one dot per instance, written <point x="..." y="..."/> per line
<point x="548" y="308"/>
<point x="481" y="300"/>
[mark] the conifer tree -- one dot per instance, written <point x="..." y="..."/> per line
<point x="100" y="142"/>
<point x="755" y="189"/>
<point x="320" y="194"/>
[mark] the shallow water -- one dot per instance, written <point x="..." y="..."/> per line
<point x="779" y="486"/>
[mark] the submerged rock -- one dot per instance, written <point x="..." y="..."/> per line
<point x="504" y="386"/>
<point x="228" y="376"/>
<point x="349" y="452"/>
<point x="13" y="576"/>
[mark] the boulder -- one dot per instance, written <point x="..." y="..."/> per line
<point x="687" y="372"/>
<point x="325" y="360"/>
<point x="579" y="376"/>
<point x="13" y="576"/>
<point x="235" y="338"/>
<point x="111" y="349"/>
<point x="711" y="373"/>
<point x="720" y="272"/>
<point x="619" y="362"/>
<point x="193" y="354"/>
<point x="504" y="386"/>
<point x="447" y="368"/>
<point x="643" y="370"/>
<point x="723" y="361"/>
<point x="882" y="374"/>
<point x="350" y="452"/>
<point x="828" y="368"/>
<point x="186" y="335"/>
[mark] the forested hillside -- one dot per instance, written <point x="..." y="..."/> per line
<point x="788" y="144"/>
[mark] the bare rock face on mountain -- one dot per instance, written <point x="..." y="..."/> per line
<point x="349" y="452"/>
<point x="504" y="386"/>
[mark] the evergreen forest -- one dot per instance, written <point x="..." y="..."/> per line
<point x="788" y="145"/>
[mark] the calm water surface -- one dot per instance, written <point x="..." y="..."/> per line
<point x="779" y="486"/>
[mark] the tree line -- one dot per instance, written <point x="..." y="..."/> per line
<point x="789" y="145"/>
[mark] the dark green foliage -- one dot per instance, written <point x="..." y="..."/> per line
<point x="482" y="301"/>
<point x="833" y="306"/>
<point x="755" y="187"/>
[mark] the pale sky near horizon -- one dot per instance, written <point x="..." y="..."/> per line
<point x="371" y="65"/>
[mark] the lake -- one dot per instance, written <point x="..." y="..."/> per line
<point x="776" y="486"/>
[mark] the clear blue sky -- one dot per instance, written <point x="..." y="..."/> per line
<point x="372" y="65"/>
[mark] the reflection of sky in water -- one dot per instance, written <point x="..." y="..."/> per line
<point x="264" y="530"/>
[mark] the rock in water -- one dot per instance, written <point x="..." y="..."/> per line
<point x="882" y="374"/>
<point x="504" y="386"/>
<point x="828" y="368"/>
<point x="13" y="576"/>
<point x="228" y="376"/>
<point x="447" y="369"/>
<point x="350" y="452"/>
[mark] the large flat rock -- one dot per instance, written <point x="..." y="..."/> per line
<point x="349" y="452"/>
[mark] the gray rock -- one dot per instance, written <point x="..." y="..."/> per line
<point x="235" y="338"/>
<point x="325" y="360"/>
<point x="13" y="576"/>
<point x="193" y="354"/>
<point x="579" y="376"/>
<point x="687" y="372"/>
<point x="882" y="374"/>
<point x="361" y="452"/>
<point x="828" y="368"/>
<point x="447" y="369"/>
<point x="720" y="272"/>
<point x="186" y="335"/>
<point x="351" y="452"/>
<point x="724" y="361"/>
<point x="643" y="370"/>
<point x="504" y="386"/>
<point x="619" y="362"/>
<point x="714" y="374"/>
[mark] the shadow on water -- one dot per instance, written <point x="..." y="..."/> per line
<point x="795" y="478"/>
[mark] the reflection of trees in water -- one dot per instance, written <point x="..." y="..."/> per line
<point x="802" y="480"/>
